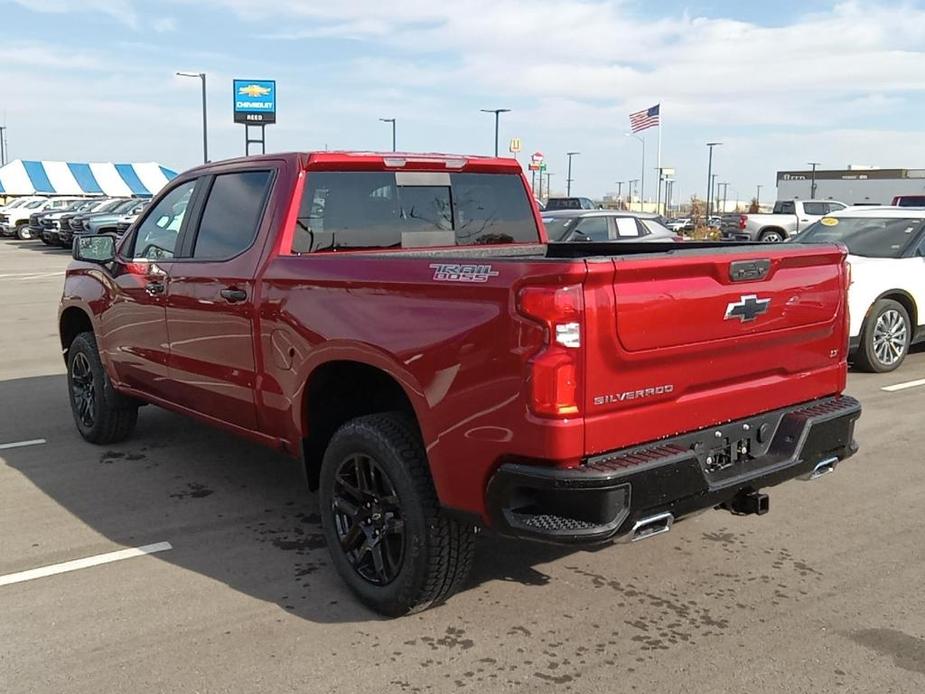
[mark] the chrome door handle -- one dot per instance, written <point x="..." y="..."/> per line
<point x="233" y="295"/>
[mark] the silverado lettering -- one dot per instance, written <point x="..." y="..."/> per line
<point x="633" y="394"/>
<point x="281" y="297"/>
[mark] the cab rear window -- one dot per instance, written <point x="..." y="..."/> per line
<point x="347" y="210"/>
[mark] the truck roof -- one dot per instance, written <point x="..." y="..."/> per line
<point x="888" y="211"/>
<point x="379" y="161"/>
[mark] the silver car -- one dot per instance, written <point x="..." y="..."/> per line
<point x="606" y="226"/>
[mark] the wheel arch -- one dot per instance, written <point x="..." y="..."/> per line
<point x="904" y="299"/>
<point x="342" y="389"/>
<point x="73" y="321"/>
<point x="779" y="230"/>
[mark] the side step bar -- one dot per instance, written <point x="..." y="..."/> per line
<point x="644" y="528"/>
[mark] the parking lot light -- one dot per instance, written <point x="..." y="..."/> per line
<point x="205" y="124"/>
<point x="642" y="175"/>
<point x="497" y="112"/>
<point x="392" y="121"/>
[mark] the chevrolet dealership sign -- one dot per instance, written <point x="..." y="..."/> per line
<point x="254" y="101"/>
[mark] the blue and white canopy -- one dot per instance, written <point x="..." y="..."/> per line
<point x="21" y="177"/>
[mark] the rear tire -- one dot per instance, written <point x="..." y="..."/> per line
<point x="101" y="414"/>
<point x="771" y="236"/>
<point x="885" y="338"/>
<point x="376" y="492"/>
<point x="23" y="233"/>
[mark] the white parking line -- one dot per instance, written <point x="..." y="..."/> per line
<point x="107" y="558"/>
<point x="904" y="386"/>
<point x="22" y="444"/>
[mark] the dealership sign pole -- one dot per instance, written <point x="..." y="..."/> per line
<point x="254" y="106"/>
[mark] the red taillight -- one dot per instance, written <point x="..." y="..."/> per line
<point x="742" y="220"/>
<point x="554" y="371"/>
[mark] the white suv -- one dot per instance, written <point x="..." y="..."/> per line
<point x="886" y="298"/>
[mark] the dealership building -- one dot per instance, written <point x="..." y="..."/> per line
<point x="854" y="185"/>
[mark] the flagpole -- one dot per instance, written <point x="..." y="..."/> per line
<point x="658" y="202"/>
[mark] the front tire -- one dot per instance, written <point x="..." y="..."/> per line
<point x="885" y="338"/>
<point x="387" y="536"/>
<point x="23" y="233"/>
<point x="101" y="414"/>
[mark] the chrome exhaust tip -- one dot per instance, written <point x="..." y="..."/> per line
<point x="644" y="528"/>
<point x="822" y="468"/>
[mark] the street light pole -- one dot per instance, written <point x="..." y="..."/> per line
<point x="548" y="184"/>
<point x="812" y="187"/>
<point x="715" y="191"/>
<point x="205" y="119"/>
<point x="497" y="112"/>
<point x="642" y="179"/>
<point x="711" y="145"/>
<point x="2" y="145"/>
<point x="568" y="181"/>
<point x="619" y="192"/>
<point x="758" y="195"/>
<point x="392" y="121"/>
<point x="630" y="187"/>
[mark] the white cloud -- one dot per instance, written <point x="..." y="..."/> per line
<point x="164" y="24"/>
<point x="571" y="69"/>
<point x="121" y="10"/>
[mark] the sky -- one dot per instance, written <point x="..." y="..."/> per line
<point x="778" y="83"/>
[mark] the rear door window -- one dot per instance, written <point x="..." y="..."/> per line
<point x="356" y="210"/>
<point x="595" y="228"/>
<point x="817" y="209"/>
<point x="627" y="227"/>
<point x="232" y="214"/>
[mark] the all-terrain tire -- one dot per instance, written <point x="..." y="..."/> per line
<point x="101" y="414"/>
<point x="437" y="550"/>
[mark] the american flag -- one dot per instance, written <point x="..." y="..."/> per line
<point x="644" y="119"/>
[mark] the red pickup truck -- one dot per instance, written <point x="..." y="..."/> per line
<point x="400" y="325"/>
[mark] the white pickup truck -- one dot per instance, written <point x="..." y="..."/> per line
<point x="788" y="218"/>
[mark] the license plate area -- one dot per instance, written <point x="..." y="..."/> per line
<point x="728" y="453"/>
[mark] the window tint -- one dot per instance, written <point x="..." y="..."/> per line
<point x="835" y="206"/>
<point x="865" y="236"/>
<point x="232" y="214"/>
<point x="816" y="208"/>
<point x="344" y="210"/>
<point x="785" y="208"/>
<point x="653" y="227"/>
<point x="626" y="227"/>
<point x="595" y="228"/>
<point x="157" y="236"/>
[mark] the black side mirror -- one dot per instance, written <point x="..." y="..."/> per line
<point x="579" y="237"/>
<point x="99" y="248"/>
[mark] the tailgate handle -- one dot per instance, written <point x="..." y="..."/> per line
<point x="749" y="270"/>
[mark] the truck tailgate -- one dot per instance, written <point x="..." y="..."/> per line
<point x="685" y="341"/>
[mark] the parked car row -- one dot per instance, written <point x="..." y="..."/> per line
<point x="886" y="297"/>
<point x="56" y="221"/>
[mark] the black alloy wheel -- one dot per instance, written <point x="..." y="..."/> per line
<point x="368" y="519"/>
<point x="83" y="390"/>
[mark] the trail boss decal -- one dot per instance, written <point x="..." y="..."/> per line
<point x="451" y="272"/>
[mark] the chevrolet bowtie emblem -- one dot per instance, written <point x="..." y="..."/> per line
<point x="747" y="308"/>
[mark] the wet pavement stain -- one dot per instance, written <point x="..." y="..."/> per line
<point x="194" y="490"/>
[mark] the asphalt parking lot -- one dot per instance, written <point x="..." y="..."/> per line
<point x="823" y="594"/>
